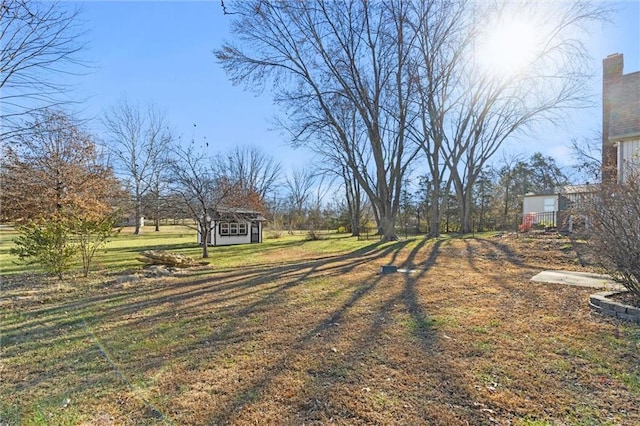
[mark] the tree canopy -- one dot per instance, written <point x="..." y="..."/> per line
<point x="412" y="77"/>
<point x="55" y="169"/>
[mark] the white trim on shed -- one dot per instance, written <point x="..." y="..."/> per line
<point x="233" y="226"/>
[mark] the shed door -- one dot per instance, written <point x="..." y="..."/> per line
<point x="255" y="232"/>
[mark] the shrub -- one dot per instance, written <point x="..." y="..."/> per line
<point x="47" y="243"/>
<point x="614" y="214"/>
<point x="313" y="235"/>
<point x="528" y="221"/>
<point x="274" y="235"/>
<point x="90" y="235"/>
<point x="55" y="242"/>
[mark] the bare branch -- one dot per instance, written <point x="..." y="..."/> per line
<point x="40" y="44"/>
<point x="138" y="143"/>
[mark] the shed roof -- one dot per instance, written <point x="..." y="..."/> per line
<point x="566" y="190"/>
<point x="233" y="213"/>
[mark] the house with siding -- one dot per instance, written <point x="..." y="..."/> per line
<point x="620" y="149"/>
<point x="620" y="120"/>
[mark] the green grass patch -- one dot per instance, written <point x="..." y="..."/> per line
<point x="122" y="251"/>
<point x="632" y="381"/>
<point x="420" y="324"/>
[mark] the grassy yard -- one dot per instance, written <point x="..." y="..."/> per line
<point x="122" y="250"/>
<point x="308" y="332"/>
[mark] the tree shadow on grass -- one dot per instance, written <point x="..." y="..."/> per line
<point x="342" y="370"/>
<point x="327" y="331"/>
<point x="47" y="320"/>
<point x="356" y="321"/>
<point x="487" y="249"/>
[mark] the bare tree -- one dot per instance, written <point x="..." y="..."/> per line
<point x="195" y="177"/>
<point x="485" y="107"/>
<point x="204" y="188"/>
<point x="588" y="153"/>
<point x="328" y="144"/>
<point x="39" y="49"/>
<point x="154" y="201"/>
<point x="613" y="213"/>
<point x="410" y="72"/>
<point x="440" y="37"/>
<point x="467" y="108"/>
<point x="325" y="57"/>
<point x="138" y="143"/>
<point x="299" y="186"/>
<point x="252" y="169"/>
<point x="354" y="198"/>
<point x="317" y="205"/>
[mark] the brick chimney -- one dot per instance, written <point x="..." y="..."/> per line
<point x="612" y="67"/>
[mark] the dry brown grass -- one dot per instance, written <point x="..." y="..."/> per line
<point x="466" y="339"/>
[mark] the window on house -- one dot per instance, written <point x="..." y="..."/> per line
<point x="242" y="229"/>
<point x="549" y="205"/>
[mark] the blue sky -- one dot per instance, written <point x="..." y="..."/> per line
<point x="158" y="52"/>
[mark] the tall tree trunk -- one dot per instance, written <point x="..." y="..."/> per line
<point x="386" y="228"/>
<point x="355" y="224"/>
<point x="352" y="191"/>
<point x="157" y="210"/>
<point x="205" y="239"/>
<point x="465" y="213"/>
<point x="354" y="215"/>
<point x="138" y="216"/>
<point x="434" y="212"/>
<point x="387" y="222"/>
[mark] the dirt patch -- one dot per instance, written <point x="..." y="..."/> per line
<point x="465" y="339"/>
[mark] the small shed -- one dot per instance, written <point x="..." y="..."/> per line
<point x="229" y="226"/>
<point x="556" y="208"/>
<point x="543" y="207"/>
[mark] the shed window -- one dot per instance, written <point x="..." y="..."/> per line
<point x="233" y="228"/>
<point x="224" y="228"/>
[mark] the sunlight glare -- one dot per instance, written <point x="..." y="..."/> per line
<point x="508" y="47"/>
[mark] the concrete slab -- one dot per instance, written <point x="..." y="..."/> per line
<point x="580" y="279"/>
<point x="407" y="271"/>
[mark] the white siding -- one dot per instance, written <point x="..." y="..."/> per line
<point x="628" y="157"/>
<point x="540" y="209"/>
<point x="550" y="204"/>
<point x="230" y="240"/>
<point x="536" y="203"/>
<point x="215" y="239"/>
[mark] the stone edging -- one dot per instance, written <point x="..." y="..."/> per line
<point x="604" y="305"/>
